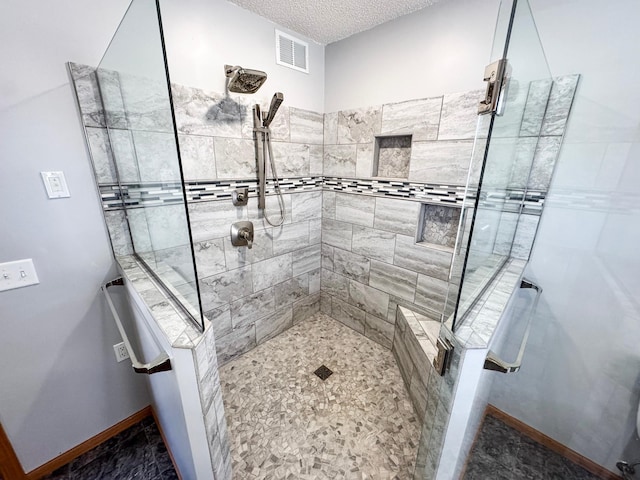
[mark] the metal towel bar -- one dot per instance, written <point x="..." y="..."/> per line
<point x="493" y="361"/>
<point x="161" y="363"/>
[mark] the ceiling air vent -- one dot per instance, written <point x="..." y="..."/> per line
<point x="292" y="52"/>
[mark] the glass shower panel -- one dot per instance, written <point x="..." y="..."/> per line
<point x="505" y="145"/>
<point x="135" y="92"/>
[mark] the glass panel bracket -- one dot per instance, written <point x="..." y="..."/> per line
<point x="496" y="75"/>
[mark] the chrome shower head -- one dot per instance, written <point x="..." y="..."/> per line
<point x="276" y="101"/>
<point x="244" y="80"/>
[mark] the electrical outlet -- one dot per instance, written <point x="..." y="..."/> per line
<point x="121" y="351"/>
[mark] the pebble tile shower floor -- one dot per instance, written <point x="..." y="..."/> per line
<point x="286" y="423"/>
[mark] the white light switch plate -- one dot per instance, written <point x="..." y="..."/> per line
<point x="20" y="273"/>
<point x="56" y="184"/>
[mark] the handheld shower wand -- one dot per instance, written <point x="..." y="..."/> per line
<point x="261" y="128"/>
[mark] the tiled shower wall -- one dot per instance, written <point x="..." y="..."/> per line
<point x="366" y="227"/>
<point x="251" y="295"/>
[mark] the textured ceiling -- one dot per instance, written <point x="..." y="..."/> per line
<point x="327" y="21"/>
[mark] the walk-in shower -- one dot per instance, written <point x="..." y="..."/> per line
<point x="376" y="205"/>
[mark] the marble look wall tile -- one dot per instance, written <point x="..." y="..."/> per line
<point x="272" y="209"/>
<point x="378" y="330"/>
<point x="394" y="280"/>
<point x="340" y="160"/>
<point x="84" y="79"/>
<point x="337" y="234"/>
<point x="355" y="209"/>
<point x="394" y="154"/>
<point x="146" y="102"/>
<point x="348" y="315"/>
<point x="331" y="128"/>
<point x="212" y="219"/>
<point x="269" y="327"/>
<point x="206" y="113"/>
<point x="537" y="98"/>
<point x="247" y="309"/>
<point x="445" y="163"/>
<point x="198" y="157"/>
<point x="325" y="303"/>
<point x="327" y="256"/>
<point x="525" y="235"/>
<point x="560" y="101"/>
<point x="306" y="259"/>
<point x="281" y="125"/>
<point x="220" y="319"/>
<point x="509" y="162"/>
<point x="421" y="259"/>
<point x="262" y="249"/>
<point x="335" y="285"/>
<point x="459" y="115"/>
<point x="418" y="394"/>
<point x="315" y="231"/>
<point x="306" y="307"/>
<point x="235" y="158"/>
<point x="210" y="257"/>
<point x="139" y="227"/>
<point x="314" y="281"/>
<point x="125" y="156"/>
<point x="431" y="292"/>
<point x="368" y="299"/>
<point x="506" y="232"/>
<point x="544" y="161"/>
<point x="270" y="272"/>
<point x="306" y="206"/>
<point x="167" y="226"/>
<point x="316" y="159"/>
<point x="226" y="287"/>
<point x="364" y="160"/>
<point x="292" y="159"/>
<point x="157" y="156"/>
<point x="239" y="341"/>
<point x="373" y="243"/>
<point x="399" y="216"/>
<point x="328" y="205"/>
<point x="401" y="354"/>
<point x="288" y="238"/>
<point x="417" y="117"/>
<point x="359" y="125"/>
<point x="100" y="147"/>
<point x="118" y="232"/>
<point x="306" y="126"/>
<point x="112" y="99"/>
<point x="292" y="290"/>
<point x="351" y="265"/>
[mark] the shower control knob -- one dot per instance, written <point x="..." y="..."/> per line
<point x="242" y="234"/>
<point x="240" y="197"/>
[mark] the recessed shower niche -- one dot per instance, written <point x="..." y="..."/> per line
<point x="438" y="225"/>
<point x="391" y="156"/>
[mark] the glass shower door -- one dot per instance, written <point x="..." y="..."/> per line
<point x="505" y="145"/>
<point x="134" y="85"/>
<point x="504" y="148"/>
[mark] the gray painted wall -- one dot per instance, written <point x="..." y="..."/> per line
<point x="440" y="49"/>
<point x="60" y="382"/>
<point x="204" y="35"/>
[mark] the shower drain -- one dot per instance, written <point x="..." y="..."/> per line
<point x="323" y="372"/>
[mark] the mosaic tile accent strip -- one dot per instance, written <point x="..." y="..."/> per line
<point x="287" y="423"/>
<point x="154" y="194"/>
<point x="398" y="189"/>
